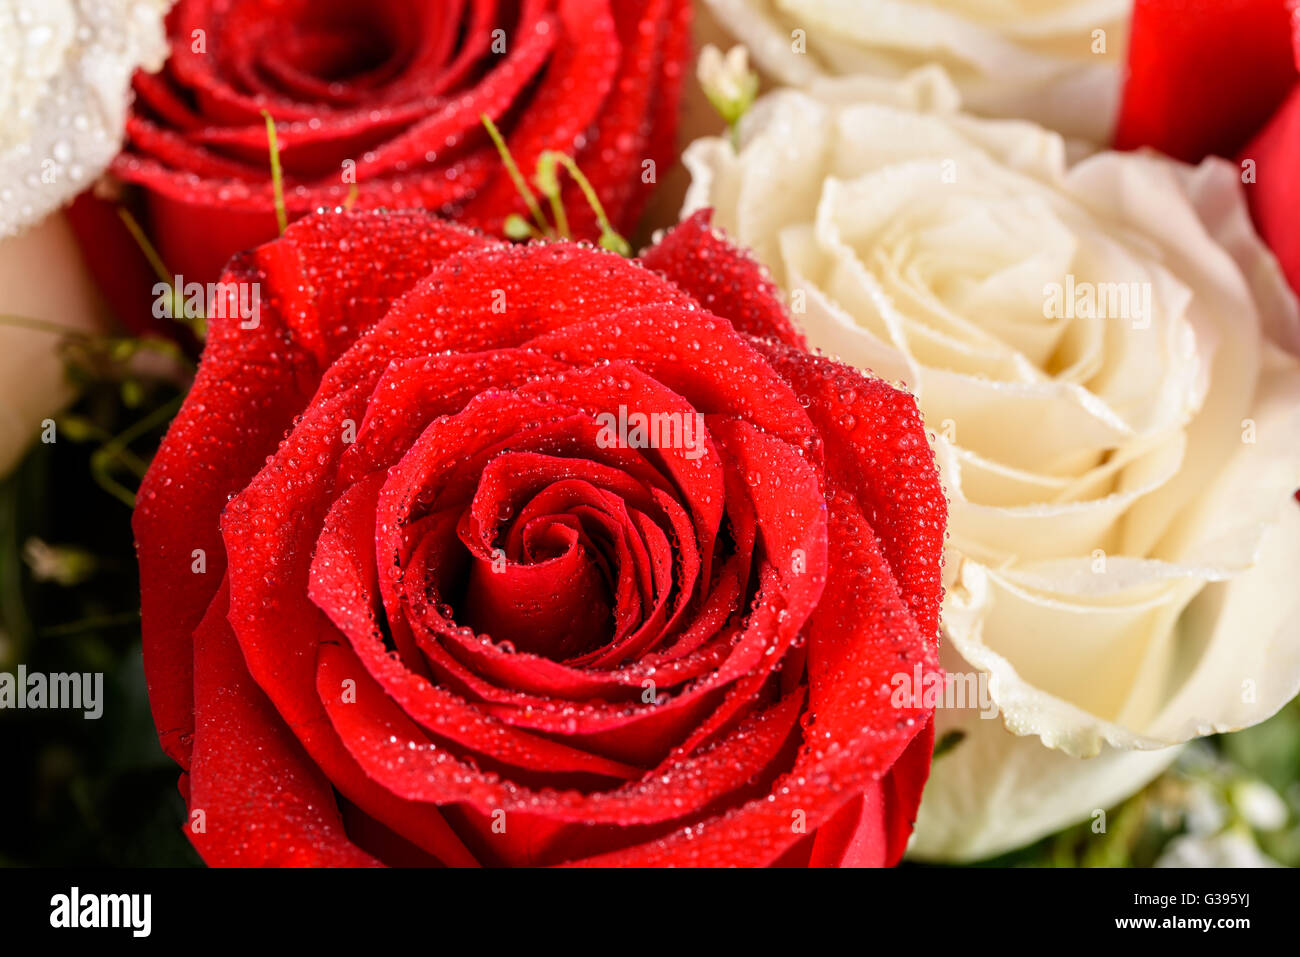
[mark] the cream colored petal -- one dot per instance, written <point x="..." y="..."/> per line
<point x="1067" y="668"/>
<point x="1255" y="479"/>
<point x="1154" y="195"/>
<point x="1055" y="63"/>
<point x="1141" y="654"/>
<point x="992" y="484"/>
<point x="758" y="26"/>
<point x="804" y="267"/>
<point x="1213" y="188"/>
<point x="1059" y="530"/>
<point x="1063" y="428"/>
<point x="989" y="483"/>
<point x="783" y="168"/>
<point x="995" y="791"/>
<point x="927" y="89"/>
<point x="1238" y="651"/>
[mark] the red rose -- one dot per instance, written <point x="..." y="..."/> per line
<point x="385" y="97"/>
<point x="1222" y="78"/>
<point x="413" y="592"/>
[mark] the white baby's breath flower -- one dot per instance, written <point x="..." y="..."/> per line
<point x="1261" y="806"/>
<point x="727" y="81"/>
<point x="1230" y="849"/>
<point x="1105" y="353"/>
<point x="1204" y="811"/>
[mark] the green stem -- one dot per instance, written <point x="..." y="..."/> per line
<point x="164" y="347"/>
<point x="558" y="214"/>
<point x="13" y="609"/>
<point x="515" y="176"/>
<point x="177" y="314"/>
<point x="113" y="450"/>
<point x="104" y="479"/>
<point x="609" y="238"/>
<point x="277" y="175"/>
<point x="89" y="624"/>
<point x="549" y="185"/>
<point x="150" y="253"/>
<point x="41" y="325"/>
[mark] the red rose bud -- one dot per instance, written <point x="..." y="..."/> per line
<point x="379" y="104"/>
<point x="470" y="553"/>
<point x="1223" y="78"/>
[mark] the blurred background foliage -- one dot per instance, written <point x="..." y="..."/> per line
<point x="101" y="792"/>
<point x="75" y="791"/>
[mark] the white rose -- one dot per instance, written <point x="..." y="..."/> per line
<point x="65" y="73"/>
<point x="1057" y="62"/>
<point x="1124" y="541"/>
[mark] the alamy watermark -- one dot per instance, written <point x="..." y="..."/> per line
<point x="75" y="909"/>
<point x="37" y="691"/>
<point x="216" y="300"/>
<point x="1098" y="300"/>
<point x="654" y="430"/>
<point x="948" y="690"/>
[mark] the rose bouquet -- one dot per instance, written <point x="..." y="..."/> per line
<point x="927" y="484"/>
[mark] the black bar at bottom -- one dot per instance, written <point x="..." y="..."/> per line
<point x="639" y="908"/>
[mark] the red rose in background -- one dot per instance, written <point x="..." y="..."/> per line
<point x="387" y="95"/>
<point x="1220" y="77"/>
<point x="409" y="596"/>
